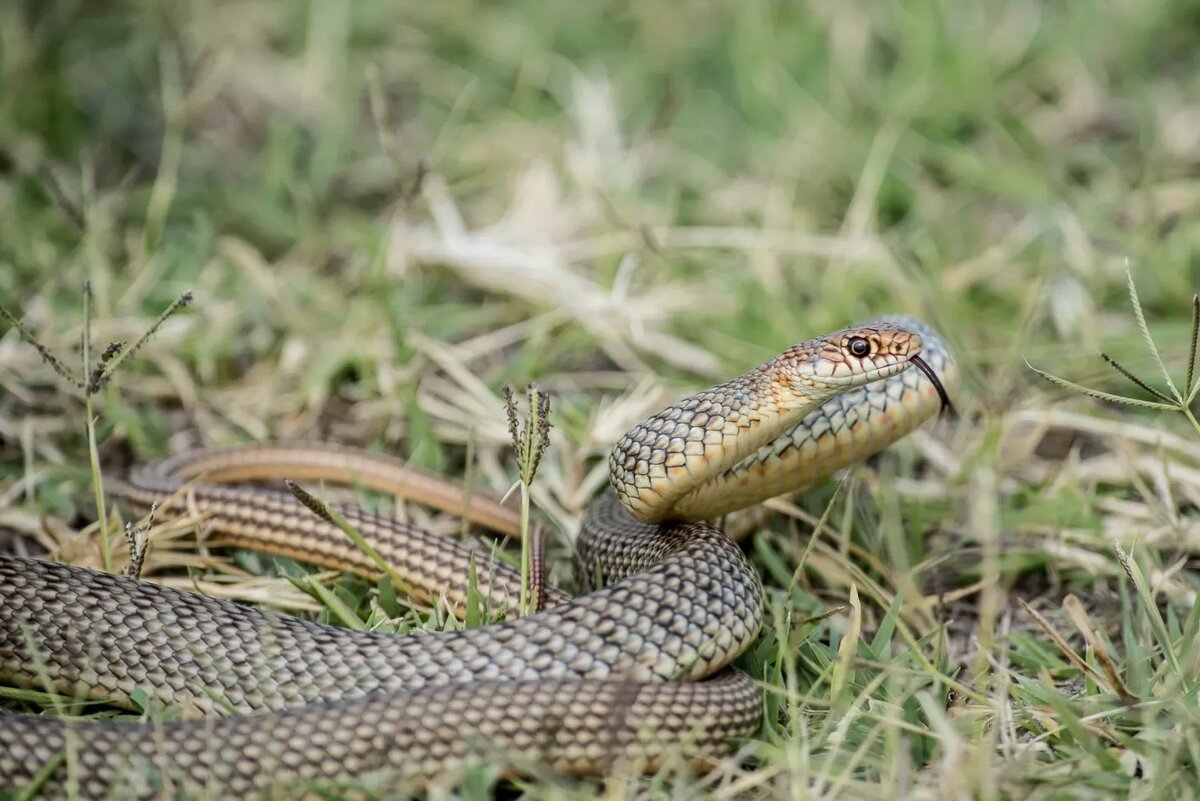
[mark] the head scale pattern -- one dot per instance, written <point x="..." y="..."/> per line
<point x="852" y="356"/>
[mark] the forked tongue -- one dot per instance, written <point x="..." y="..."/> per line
<point x="923" y="366"/>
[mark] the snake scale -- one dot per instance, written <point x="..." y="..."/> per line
<point x="633" y="675"/>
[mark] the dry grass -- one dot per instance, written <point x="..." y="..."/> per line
<point x="385" y="215"/>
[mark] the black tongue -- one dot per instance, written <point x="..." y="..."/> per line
<point x="923" y="366"/>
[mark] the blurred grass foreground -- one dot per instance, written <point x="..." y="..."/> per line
<point x="388" y="210"/>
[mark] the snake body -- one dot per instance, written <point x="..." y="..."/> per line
<point x="636" y="673"/>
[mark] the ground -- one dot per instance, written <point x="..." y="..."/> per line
<point x="386" y="211"/>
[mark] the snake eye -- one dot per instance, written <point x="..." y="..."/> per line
<point x="859" y="347"/>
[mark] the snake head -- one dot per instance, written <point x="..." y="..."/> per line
<point x="850" y="358"/>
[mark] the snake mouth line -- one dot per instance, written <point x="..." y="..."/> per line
<point x="923" y="366"/>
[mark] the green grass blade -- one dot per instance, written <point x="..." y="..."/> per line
<point x="335" y="604"/>
<point x="1074" y="725"/>
<point x="43" y="774"/>
<point x="331" y="515"/>
<point x="1134" y="571"/>
<point x="474" y="613"/>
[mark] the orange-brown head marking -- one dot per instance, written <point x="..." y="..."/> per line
<point x="849" y="358"/>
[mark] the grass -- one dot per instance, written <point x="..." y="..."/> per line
<point x="389" y="211"/>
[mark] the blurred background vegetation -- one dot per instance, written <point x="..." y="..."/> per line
<point x="386" y="210"/>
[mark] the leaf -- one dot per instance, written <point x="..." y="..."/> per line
<point x="1095" y="393"/>
<point x="474" y="611"/>
<point x="387" y="597"/>
<point x="1191" y="629"/>
<point x="1068" y="719"/>
<point x="331" y="515"/>
<point x="848" y="647"/>
<point x="335" y="605"/>
<point x="1134" y="571"/>
<point x="1079" y="616"/>
<point x="31" y="790"/>
<point x="140" y="700"/>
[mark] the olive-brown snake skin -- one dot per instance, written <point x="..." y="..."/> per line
<point x="630" y="676"/>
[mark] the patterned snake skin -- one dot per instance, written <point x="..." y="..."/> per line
<point x="628" y="676"/>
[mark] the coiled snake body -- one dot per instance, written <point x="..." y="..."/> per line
<point x="634" y="674"/>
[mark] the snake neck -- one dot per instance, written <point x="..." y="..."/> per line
<point x="767" y="432"/>
<point x="841" y="432"/>
<point x="690" y="443"/>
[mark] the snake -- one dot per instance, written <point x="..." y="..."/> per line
<point x="639" y="674"/>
